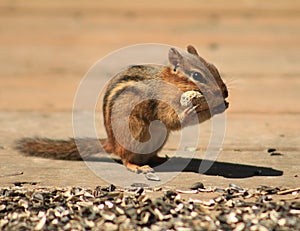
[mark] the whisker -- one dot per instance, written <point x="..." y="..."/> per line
<point x="232" y="83"/>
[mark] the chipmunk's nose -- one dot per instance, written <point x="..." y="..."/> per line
<point x="224" y="91"/>
<point x="226" y="104"/>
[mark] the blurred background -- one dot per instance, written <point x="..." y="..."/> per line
<point x="46" y="47"/>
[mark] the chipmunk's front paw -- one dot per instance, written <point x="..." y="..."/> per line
<point x="187" y="112"/>
<point x="145" y="169"/>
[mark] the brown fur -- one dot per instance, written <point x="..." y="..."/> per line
<point x="127" y="88"/>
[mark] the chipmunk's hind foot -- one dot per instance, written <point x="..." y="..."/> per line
<point x="139" y="169"/>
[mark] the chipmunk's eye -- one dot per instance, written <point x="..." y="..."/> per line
<point x="198" y="77"/>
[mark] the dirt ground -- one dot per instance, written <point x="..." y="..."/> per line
<point x="46" y="48"/>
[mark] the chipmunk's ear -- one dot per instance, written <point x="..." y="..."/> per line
<point x="192" y="50"/>
<point x="175" y="58"/>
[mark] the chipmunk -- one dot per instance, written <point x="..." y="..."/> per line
<point x="143" y="94"/>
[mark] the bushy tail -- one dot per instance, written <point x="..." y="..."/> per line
<point x="59" y="149"/>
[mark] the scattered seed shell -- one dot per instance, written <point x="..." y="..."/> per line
<point x="79" y="209"/>
<point x="187" y="191"/>
<point x="269" y="150"/>
<point x="152" y="176"/>
<point x="276" y="154"/>
<point x="197" y="185"/>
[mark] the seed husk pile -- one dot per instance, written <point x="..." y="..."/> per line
<point x="111" y="208"/>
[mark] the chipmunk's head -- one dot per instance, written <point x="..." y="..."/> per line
<point x="202" y="74"/>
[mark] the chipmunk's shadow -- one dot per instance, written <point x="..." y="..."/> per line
<point x="215" y="168"/>
<point x="208" y="167"/>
